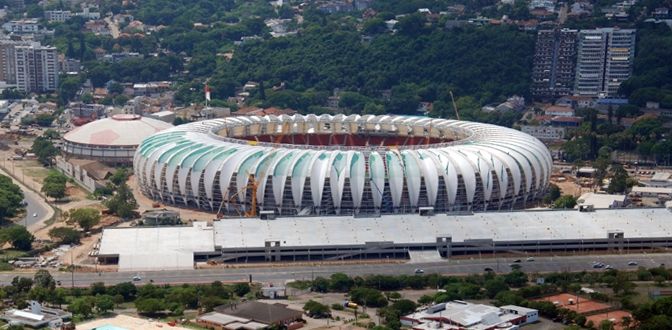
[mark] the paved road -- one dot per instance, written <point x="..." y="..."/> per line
<point x="280" y="274"/>
<point x="35" y="205"/>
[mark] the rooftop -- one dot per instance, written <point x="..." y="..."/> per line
<point x="652" y="190"/>
<point x="409" y="228"/>
<point x="463" y="314"/>
<point x="157" y="247"/>
<point x="118" y="130"/>
<point x="260" y="312"/>
<point x="601" y="201"/>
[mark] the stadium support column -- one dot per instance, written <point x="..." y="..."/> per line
<point x="443" y="245"/>
<point x="272" y="251"/>
<point x="616" y="240"/>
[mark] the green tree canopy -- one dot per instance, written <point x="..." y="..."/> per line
<point x="18" y="236"/>
<point x="86" y="218"/>
<point x="65" y="235"/>
<point x="54" y="185"/>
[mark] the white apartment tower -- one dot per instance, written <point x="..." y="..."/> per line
<point x="605" y="60"/>
<point x="36" y="68"/>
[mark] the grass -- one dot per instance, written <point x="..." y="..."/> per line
<point x="300" y="285"/>
<point x="38" y="173"/>
<point x="12" y="254"/>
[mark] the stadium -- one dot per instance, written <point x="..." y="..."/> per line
<point x="342" y="165"/>
<point x="111" y="140"/>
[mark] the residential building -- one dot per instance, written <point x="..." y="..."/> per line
<point x="36" y="68"/>
<point x="566" y="121"/>
<point x="165" y="116"/>
<point x="88" y="14"/>
<point x="544" y="133"/>
<point x="251" y="315"/>
<point x="118" y="57"/>
<point x="16" y="4"/>
<point x="558" y="110"/>
<point x="57" y="15"/>
<point x="463" y="315"/>
<point x="605" y="59"/>
<point x="69" y="65"/>
<point x="554" y="63"/>
<point x="22" y="26"/>
<point x="7" y="61"/>
<point x="548" y="5"/>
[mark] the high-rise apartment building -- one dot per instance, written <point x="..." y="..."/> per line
<point x="8" y="59"/>
<point x="36" y="68"/>
<point x="605" y="60"/>
<point x="554" y="63"/>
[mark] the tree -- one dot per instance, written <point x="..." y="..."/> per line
<point x="340" y="282"/>
<point x="241" y="289"/>
<point x="368" y="297"/>
<point x="22" y="284"/>
<point x="11" y="196"/>
<point x="65" y="235"/>
<point x="98" y="288"/>
<point x="320" y="284"/>
<point x="316" y="310"/>
<point x="552" y="194"/>
<point x="104" y="303"/>
<point x="43" y="279"/>
<point x="122" y="203"/>
<point x="127" y="290"/>
<point x="619" y="180"/>
<point x="494" y="286"/>
<point x="44" y="119"/>
<point x="404" y="306"/>
<point x="44" y="149"/>
<point x="120" y="176"/>
<point x="86" y="218"/>
<point x="18" y="236"/>
<point x="149" y="305"/>
<point x="565" y="202"/>
<point x="82" y="306"/>
<point x="54" y="185"/>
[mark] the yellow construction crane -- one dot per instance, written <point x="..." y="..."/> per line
<point x="252" y="185"/>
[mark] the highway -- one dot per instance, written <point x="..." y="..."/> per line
<point x="279" y="274"/>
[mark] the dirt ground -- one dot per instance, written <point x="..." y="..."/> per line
<point x="581" y="305"/>
<point x="145" y="203"/>
<point x="127" y="322"/>
<point x="614" y="316"/>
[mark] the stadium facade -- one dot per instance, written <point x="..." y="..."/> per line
<point x="327" y="165"/>
<point x="111" y="140"/>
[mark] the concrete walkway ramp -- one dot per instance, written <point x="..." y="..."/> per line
<point x="424" y="256"/>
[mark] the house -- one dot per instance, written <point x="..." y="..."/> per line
<point x="167" y="116"/>
<point x="557" y="110"/>
<point x="463" y="315"/>
<point x="545" y="133"/>
<point x="274" y="292"/>
<point x="36" y="316"/>
<point x="561" y="121"/>
<point x="251" y="315"/>
<point x="21" y="26"/>
<point x="89" y="174"/>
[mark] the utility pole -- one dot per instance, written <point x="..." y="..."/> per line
<point x="72" y="268"/>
